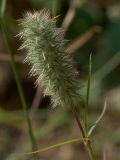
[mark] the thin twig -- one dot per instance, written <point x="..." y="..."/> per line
<point x="82" y="39"/>
<point x="70" y="15"/>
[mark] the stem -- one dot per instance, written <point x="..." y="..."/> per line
<point x="88" y="94"/>
<point x="17" y="79"/>
<point x="54" y="7"/>
<point x="87" y="143"/>
<point x="3" y="6"/>
<point x="52" y="146"/>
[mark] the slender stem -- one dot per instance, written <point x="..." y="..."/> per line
<point x="54" y="7"/>
<point x="78" y="122"/>
<point x="88" y="94"/>
<point x="19" y="86"/>
<point x="90" y="150"/>
<point x="3" y="6"/>
<point x="52" y="146"/>
<point x="83" y="132"/>
<point x="86" y="142"/>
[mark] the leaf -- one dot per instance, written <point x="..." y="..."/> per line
<point x="99" y="118"/>
<point x="52" y="146"/>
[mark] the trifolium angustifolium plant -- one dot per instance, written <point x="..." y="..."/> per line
<point x="46" y="54"/>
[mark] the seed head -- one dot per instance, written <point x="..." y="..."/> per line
<point x="46" y="54"/>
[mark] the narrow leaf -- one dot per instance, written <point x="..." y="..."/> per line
<point x="88" y="92"/>
<point x="53" y="146"/>
<point x="99" y="118"/>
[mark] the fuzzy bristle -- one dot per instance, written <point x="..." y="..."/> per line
<point x="46" y="54"/>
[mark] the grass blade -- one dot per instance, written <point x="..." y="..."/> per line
<point x="99" y="118"/>
<point x="88" y="93"/>
<point x="53" y="146"/>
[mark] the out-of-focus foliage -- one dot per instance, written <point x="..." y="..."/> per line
<point x="53" y="125"/>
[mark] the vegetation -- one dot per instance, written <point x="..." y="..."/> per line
<point x="68" y="81"/>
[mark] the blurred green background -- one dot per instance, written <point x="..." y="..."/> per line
<point x="96" y="23"/>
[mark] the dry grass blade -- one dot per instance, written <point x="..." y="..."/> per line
<point x="82" y="39"/>
<point x="99" y="118"/>
<point x="70" y="15"/>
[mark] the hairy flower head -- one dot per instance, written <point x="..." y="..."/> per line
<point x="47" y="57"/>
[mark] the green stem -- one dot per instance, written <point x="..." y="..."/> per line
<point x="86" y="142"/>
<point x="54" y="7"/>
<point x="3" y="6"/>
<point x="88" y="94"/>
<point x="51" y="147"/>
<point x="19" y="86"/>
